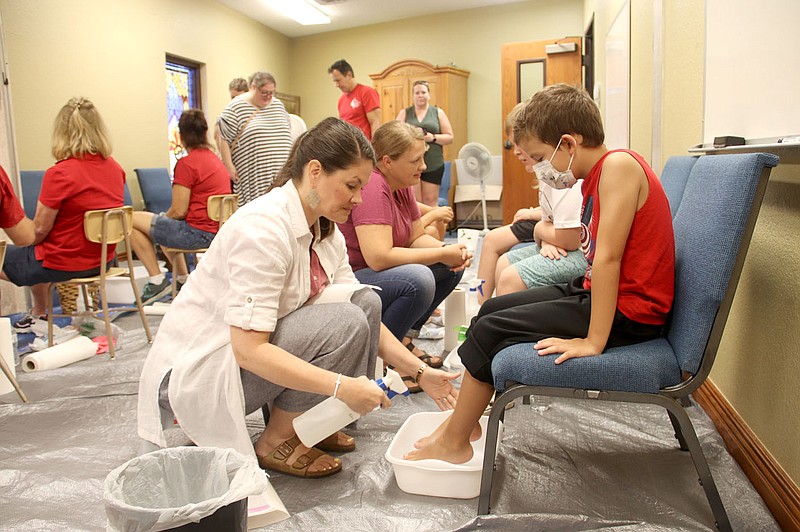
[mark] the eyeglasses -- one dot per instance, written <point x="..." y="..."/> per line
<point x="267" y="94"/>
<point x="421" y="82"/>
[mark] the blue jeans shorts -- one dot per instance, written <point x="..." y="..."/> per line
<point x="173" y="233"/>
<point x="22" y="268"/>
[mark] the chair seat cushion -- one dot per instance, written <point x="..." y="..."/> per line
<point x="646" y="367"/>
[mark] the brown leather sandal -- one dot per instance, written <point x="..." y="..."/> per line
<point x="276" y="461"/>
<point x="331" y="444"/>
<point x="431" y="360"/>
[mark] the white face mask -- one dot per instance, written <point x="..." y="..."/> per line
<point x="546" y="173"/>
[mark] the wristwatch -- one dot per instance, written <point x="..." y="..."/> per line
<point x="434" y="138"/>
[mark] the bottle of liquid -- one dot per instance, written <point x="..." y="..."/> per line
<point x="453" y="360"/>
<point x="472" y="305"/>
<point x="331" y="415"/>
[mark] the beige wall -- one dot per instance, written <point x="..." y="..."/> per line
<point x="469" y="39"/>
<point x="757" y="368"/>
<point x="113" y="51"/>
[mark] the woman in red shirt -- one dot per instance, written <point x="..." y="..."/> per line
<point x="186" y="224"/>
<point x="84" y="178"/>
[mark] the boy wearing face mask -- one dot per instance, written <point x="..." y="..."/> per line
<point x="626" y="235"/>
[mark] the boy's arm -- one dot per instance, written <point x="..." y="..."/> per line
<point x="622" y="191"/>
<point x="567" y="239"/>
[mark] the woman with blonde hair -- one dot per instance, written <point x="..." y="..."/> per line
<point x="84" y="178"/>
<point x="387" y="244"/>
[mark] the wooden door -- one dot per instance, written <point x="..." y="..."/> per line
<point x="522" y="64"/>
<point x="394" y="93"/>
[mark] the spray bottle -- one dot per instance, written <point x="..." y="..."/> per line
<point x="472" y="304"/>
<point x="332" y="415"/>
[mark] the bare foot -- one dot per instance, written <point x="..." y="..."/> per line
<point x="437" y="450"/>
<point x="425" y="440"/>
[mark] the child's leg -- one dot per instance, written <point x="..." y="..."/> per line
<point x="497" y="242"/>
<point x="508" y="278"/>
<point x="451" y="441"/>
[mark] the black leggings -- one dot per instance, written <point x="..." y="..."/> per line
<point x="561" y="311"/>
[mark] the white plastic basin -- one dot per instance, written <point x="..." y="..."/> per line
<point x="435" y="478"/>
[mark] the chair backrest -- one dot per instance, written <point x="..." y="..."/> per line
<point x="112" y="219"/>
<point x="222" y="206"/>
<point x="156" y="188"/>
<point x="31" y="186"/>
<point x="2" y="253"/>
<point x="674" y="177"/>
<point x="444" y="189"/>
<point x="713" y="226"/>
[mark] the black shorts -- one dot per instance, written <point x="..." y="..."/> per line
<point x="523" y="230"/>
<point x="434" y="176"/>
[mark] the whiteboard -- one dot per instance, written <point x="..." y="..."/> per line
<point x="618" y="80"/>
<point x="752" y="78"/>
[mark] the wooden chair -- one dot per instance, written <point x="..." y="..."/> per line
<point x="7" y="370"/>
<point x="220" y="208"/>
<point x="105" y="227"/>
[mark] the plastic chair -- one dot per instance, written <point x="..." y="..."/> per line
<point x="220" y="208"/>
<point x="156" y="188"/>
<point x="3" y="365"/>
<point x="713" y="226"/>
<point x="105" y="227"/>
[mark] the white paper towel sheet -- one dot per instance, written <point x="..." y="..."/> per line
<point x="7" y="352"/>
<point x="79" y="348"/>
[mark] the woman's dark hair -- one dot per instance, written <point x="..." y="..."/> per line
<point x="193" y="129"/>
<point x="336" y="144"/>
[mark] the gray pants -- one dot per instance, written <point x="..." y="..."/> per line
<point x="339" y="337"/>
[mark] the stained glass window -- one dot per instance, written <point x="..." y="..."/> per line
<point x="182" y="93"/>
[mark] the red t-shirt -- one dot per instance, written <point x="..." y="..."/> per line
<point x="11" y="212"/>
<point x="647" y="272"/>
<point x="204" y="175"/>
<point x="354" y="106"/>
<point x="72" y="187"/>
<point x="380" y="206"/>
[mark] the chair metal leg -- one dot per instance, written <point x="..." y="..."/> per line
<point x="13" y="379"/>
<point x="107" y="320"/>
<point x="678" y="415"/>
<point x="50" y="289"/>
<point x="678" y="434"/>
<point x="496" y="415"/>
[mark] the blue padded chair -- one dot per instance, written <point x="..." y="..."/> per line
<point x="156" y="188"/>
<point x="674" y="177"/>
<point x="444" y="189"/>
<point x="31" y="186"/>
<point x="713" y="226"/>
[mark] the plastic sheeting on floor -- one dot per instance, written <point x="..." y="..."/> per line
<point x="562" y="465"/>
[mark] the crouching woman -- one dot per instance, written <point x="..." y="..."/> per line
<point x="244" y="332"/>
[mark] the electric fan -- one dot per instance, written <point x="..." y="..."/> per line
<point x="476" y="165"/>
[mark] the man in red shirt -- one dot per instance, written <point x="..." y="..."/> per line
<point x="360" y="105"/>
<point x="13" y="221"/>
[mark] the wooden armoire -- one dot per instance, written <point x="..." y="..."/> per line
<point x="448" y="87"/>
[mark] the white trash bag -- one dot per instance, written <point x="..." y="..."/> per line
<point x="172" y="487"/>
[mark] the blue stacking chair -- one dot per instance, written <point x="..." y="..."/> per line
<point x="444" y="189"/>
<point x="713" y="224"/>
<point x="156" y="188"/>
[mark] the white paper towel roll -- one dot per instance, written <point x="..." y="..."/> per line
<point x="7" y="352"/>
<point x="157" y="309"/>
<point x="79" y="348"/>
<point x="454" y="317"/>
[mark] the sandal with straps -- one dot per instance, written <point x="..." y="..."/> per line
<point x="276" y="461"/>
<point x="431" y="360"/>
<point x="331" y="444"/>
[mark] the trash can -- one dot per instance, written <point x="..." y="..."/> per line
<point x="182" y="488"/>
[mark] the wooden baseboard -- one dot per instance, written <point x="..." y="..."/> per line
<point x="779" y="492"/>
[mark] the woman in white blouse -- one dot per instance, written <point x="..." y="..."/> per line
<point x="244" y="333"/>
